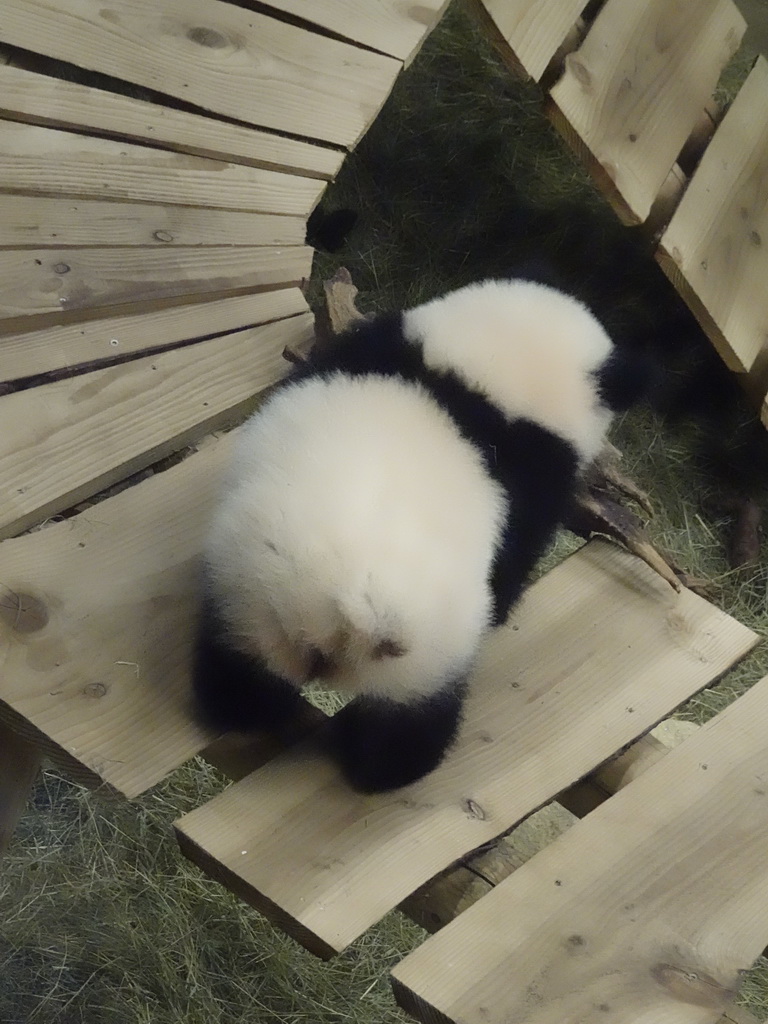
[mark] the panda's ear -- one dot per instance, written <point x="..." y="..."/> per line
<point x="387" y="647"/>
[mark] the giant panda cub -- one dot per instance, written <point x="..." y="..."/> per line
<point x="384" y="508"/>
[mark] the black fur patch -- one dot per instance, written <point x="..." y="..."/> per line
<point x="536" y="468"/>
<point x="381" y="745"/>
<point x="625" y="378"/>
<point x="233" y="691"/>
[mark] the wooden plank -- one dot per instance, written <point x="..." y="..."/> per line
<point x="634" y="91"/>
<point x="36" y="221"/>
<point x="65" y="441"/>
<point x="715" y="250"/>
<point x="221" y="57"/>
<point x="40" y="99"/>
<point x="648" y="910"/>
<point x="533" y="29"/>
<point x="45" y="160"/>
<point x="393" y="28"/>
<point x="98" y="661"/>
<point x="38" y="281"/>
<point x="600" y="649"/>
<point x="19" y="765"/>
<point x="56" y="348"/>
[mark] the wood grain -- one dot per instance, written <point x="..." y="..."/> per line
<point x="56" y="348"/>
<point x="715" y="249"/>
<point x="634" y="91"/>
<point x="49" y="161"/>
<point x="64" y="441"/>
<point x="38" y="281"/>
<point x="36" y="221"/>
<point x="40" y="99"/>
<point x="599" y="651"/>
<point x="389" y="27"/>
<point x="221" y="57"/>
<point x="533" y="29"/>
<point x="95" y="627"/>
<point x="649" y="910"/>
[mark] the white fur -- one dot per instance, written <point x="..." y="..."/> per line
<point x="530" y="348"/>
<point x="357" y="512"/>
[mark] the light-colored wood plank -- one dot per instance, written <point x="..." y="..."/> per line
<point x="35" y="221"/>
<point x="600" y="649"/>
<point x="19" y="765"/>
<point x="38" y="281"/>
<point x="45" y="160"/>
<point x="40" y="99"/>
<point x="715" y="249"/>
<point x="98" y="661"/>
<point x="533" y="29"/>
<point x="389" y="27"/>
<point x="649" y="910"/>
<point x="221" y="57"/>
<point x="635" y="89"/>
<point x="65" y="441"/>
<point x="56" y="348"/>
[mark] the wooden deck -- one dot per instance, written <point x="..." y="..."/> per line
<point x="151" y="261"/>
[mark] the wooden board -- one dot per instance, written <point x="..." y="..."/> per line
<point x="19" y="765"/>
<point x="634" y="91"/>
<point x="27" y="96"/>
<point x="65" y="441"/>
<point x="648" y="910"/>
<point x="95" y="623"/>
<point x="221" y="57"/>
<point x="715" y="249"/>
<point x="45" y="160"/>
<point x="600" y="650"/>
<point x="384" y="25"/>
<point x="55" y="348"/>
<point x="45" y="281"/>
<point x="36" y="221"/>
<point x="533" y="29"/>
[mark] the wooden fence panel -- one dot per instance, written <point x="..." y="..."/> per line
<point x="599" y="651"/>
<point x="715" y="249"/>
<point x="649" y="910"/>
<point x="57" y="348"/>
<point x="223" y="58"/>
<point x="634" y="91"/>
<point x="36" y="282"/>
<point x="34" y="159"/>
<point x="64" y="441"/>
<point x="533" y="29"/>
<point x="27" y="96"/>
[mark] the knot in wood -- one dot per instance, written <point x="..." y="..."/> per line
<point x="95" y="690"/>
<point x="22" y="612"/>
<point x="61" y="268"/>
<point x="475" y="810"/>
<point x="162" y="236"/>
<point x="209" y="37"/>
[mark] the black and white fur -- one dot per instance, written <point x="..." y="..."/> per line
<point x="385" y="507"/>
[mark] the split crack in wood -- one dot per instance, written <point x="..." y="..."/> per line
<point x="594" y="509"/>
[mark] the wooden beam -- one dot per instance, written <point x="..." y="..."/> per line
<point x="19" y="765"/>
<point x="51" y="162"/>
<point x="61" y="348"/>
<point x="36" y="282"/>
<point x="65" y="441"/>
<point x="649" y="909"/>
<point x="224" y="58"/>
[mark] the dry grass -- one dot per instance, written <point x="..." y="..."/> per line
<point x="102" y="920"/>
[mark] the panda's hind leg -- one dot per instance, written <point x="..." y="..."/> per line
<point x="382" y="744"/>
<point x="235" y="692"/>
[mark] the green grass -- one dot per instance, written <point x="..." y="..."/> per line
<point x="101" y="920"/>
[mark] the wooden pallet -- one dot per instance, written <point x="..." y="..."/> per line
<point x="151" y="253"/>
<point x="632" y="93"/>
